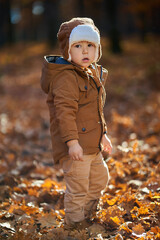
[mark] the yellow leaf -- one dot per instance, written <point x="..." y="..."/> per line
<point x="143" y="210"/>
<point x="125" y="228"/>
<point x="135" y="145"/>
<point x="118" y="237"/>
<point x="155" y="229"/>
<point x="112" y="201"/>
<point x="33" y="192"/>
<point x="156" y="197"/>
<point x="48" y="183"/>
<point x="116" y="220"/>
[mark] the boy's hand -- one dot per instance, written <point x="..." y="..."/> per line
<point x="75" y="150"/>
<point x="106" y="144"/>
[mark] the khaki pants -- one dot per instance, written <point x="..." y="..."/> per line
<point x="84" y="182"/>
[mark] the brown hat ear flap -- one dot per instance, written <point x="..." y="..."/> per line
<point x="99" y="53"/>
<point x="63" y="38"/>
<point x="65" y="52"/>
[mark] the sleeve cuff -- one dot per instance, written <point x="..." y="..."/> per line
<point x="70" y="137"/>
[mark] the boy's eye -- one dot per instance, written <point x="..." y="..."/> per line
<point x="77" y="45"/>
<point x="90" y="45"/>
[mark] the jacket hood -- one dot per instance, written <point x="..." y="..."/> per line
<point x="65" y="32"/>
<point x="52" y="66"/>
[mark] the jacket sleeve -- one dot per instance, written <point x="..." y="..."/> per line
<point x="65" y="92"/>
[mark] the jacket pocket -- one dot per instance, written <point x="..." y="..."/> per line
<point x="86" y="126"/>
<point x="89" y="133"/>
<point x="83" y="87"/>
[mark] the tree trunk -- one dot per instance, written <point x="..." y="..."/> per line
<point x="6" y="30"/>
<point x="143" y="28"/>
<point x="81" y="8"/>
<point x="111" y="7"/>
<point x="51" y="16"/>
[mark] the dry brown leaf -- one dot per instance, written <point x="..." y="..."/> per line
<point x="138" y="229"/>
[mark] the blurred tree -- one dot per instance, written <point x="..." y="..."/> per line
<point x="26" y="26"/>
<point x="51" y="15"/>
<point x="81" y="8"/>
<point x="145" y="11"/>
<point x="6" y="31"/>
<point x="40" y="19"/>
<point x="93" y="9"/>
<point x="111" y="9"/>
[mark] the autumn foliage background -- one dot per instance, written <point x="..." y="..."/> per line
<point x="31" y="190"/>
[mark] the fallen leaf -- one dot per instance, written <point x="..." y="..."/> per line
<point x="138" y="231"/>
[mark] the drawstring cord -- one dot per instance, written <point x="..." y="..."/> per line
<point x="87" y="84"/>
<point x="99" y="75"/>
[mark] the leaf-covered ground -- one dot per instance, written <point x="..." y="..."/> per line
<point x="32" y="191"/>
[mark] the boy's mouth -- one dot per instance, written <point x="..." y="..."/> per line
<point x="85" y="59"/>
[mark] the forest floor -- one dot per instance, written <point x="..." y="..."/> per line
<point x="32" y="191"/>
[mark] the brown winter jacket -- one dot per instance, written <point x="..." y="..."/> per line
<point x="75" y="101"/>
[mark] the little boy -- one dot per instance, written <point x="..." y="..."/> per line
<point x="76" y="96"/>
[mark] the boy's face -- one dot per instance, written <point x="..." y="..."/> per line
<point x="83" y="53"/>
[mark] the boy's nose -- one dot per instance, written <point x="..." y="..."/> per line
<point x="85" y="50"/>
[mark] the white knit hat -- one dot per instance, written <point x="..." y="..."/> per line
<point x="84" y="33"/>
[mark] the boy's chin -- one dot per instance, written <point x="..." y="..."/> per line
<point x="82" y="65"/>
<point x="85" y="65"/>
